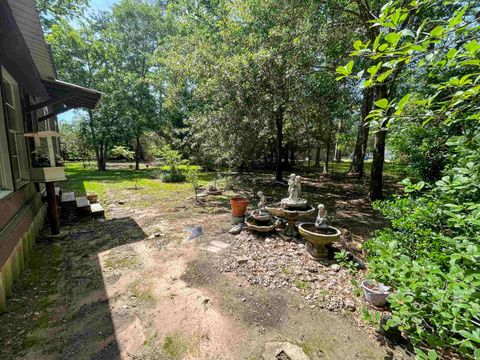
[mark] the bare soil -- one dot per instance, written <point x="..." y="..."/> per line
<point x="133" y="287"/>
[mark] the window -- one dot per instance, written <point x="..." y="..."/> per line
<point x="5" y="174"/>
<point x="16" y="140"/>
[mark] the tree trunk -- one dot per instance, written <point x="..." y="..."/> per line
<point x="317" y="156"/>
<point x="104" y="157"/>
<point x="279" y="128"/>
<point x="376" y="175"/>
<point x="337" y="152"/>
<point x="99" y="155"/>
<point x="94" y="139"/>
<point x="362" y="134"/>
<point x="327" y="158"/>
<point x="338" y="156"/>
<point x="292" y="157"/>
<point x="137" y="153"/>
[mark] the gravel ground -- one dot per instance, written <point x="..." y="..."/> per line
<point x="271" y="262"/>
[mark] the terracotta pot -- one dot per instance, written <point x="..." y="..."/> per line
<point x="92" y="198"/>
<point x="239" y="206"/>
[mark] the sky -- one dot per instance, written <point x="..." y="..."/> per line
<point x="94" y="5"/>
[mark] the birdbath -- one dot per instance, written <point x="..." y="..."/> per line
<point x="260" y="220"/>
<point x="318" y="235"/>
<point x="292" y="208"/>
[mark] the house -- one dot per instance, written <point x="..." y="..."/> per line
<point x="31" y="98"/>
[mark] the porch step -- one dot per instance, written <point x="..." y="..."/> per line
<point x="83" y="206"/>
<point x="68" y="199"/>
<point x="97" y="210"/>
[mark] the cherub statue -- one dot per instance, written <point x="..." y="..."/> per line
<point x="297" y="187"/>
<point x="262" y="203"/>
<point x="321" y="221"/>
<point x="291" y="186"/>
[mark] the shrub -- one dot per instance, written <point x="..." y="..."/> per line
<point x="173" y="161"/>
<point x="431" y="257"/>
<point x="192" y="178"/>
<point x="121" y="152"/>
<point x="172" y="177"/>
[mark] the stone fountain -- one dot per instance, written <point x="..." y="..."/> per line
<point x="293" y="207"/>
<point x="260" y="220"/>
<point x="318" y="235"/>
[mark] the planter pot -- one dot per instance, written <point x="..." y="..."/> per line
<point x="375" y="293"/>
<point x="47" y="174"/>
<point x="92" y="198"/>
<point x="239" y="206"/>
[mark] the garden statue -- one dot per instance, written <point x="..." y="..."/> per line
<point x="292" y="208"/>
<point x="291" y="186"/>
<point x="262" y="203"/>
<point x="297" y="187"/>
<point x="260" y="220"/>
<point x="321" y="221"/>
<point x="294" y="189"/>
<point x="319" y="235"/>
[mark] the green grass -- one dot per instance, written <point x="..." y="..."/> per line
<point x="83" y="180"/>
<point x="175" y="346"/>
<point x="394" y="169"/>
<point x="303" y="285"/>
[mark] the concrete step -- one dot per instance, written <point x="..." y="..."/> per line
<point x="68" y="199"/>
<point x="83" y="206"/>
<point x="97" y="210"/>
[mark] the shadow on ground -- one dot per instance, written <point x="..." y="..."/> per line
<point x="60" y="306"/>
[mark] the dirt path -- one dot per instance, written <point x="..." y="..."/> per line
<point x="134" y="287"/>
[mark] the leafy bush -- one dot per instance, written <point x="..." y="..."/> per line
<point x="429" y="51"/>
<point x="122" y="152"/>
<point x="192" y="178"/>
<point x="173" y="161"/>
<point x="431" y="257"/>
<point x="172" y="177"/>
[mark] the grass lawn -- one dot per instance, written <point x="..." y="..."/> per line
<point x="389" y="168"/>
<point x="83" y="180"/>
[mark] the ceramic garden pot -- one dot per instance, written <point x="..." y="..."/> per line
<point x="375" y="293"/>
<point x="239" y="206"/>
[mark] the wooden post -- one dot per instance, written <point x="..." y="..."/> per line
<point x="52" y="208"/>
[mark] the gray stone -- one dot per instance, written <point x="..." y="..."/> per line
<point x="242" y="260"/>
<point x="237" y="229"/>
<point x="219" y="244"/>
<point x="335" y="267"/>
<point x="283" y="351"/>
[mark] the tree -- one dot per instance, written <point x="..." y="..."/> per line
<point x="112" y="53"/>
<point x="430" y="255"/>
<point x="83" y="58"/>
<point x="74" y="140"/>
<point x="249" y="100"/>
<point x="55" y="11"/>
<point x="381" y="76"/>
<point x="134" y="31"/>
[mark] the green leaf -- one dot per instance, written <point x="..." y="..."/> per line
<point x="437" y="32"/>
<point x="382" y="103"/>
<point x="471" y="336"/>
<point x="385" y="75"/>
<point x="401" y="104"/>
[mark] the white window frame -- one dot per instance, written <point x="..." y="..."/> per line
<point x="6" y="184"/>
<point x="21" y="157"/>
